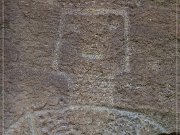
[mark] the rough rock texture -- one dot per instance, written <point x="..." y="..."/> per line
<point x="85" y="67"/>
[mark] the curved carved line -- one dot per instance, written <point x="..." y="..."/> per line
<point x="132" y="115"/>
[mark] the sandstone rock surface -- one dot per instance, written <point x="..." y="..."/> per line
<point x="86" y="67"/>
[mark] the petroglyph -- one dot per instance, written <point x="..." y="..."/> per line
<point x="79" y="119"/>
<point x="58" y="45"/>
<point x="72" y="65"/>
<point x="92" y="56"/>
<point x="93" y="12"/>
<point x="56" y="56"/>
<point x="126" y="36"/>
<point x="92" y="83"/>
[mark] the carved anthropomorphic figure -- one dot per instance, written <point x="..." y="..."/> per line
<point x="90" y="45"/>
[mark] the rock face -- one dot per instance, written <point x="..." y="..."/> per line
<point x="90" y="67"/>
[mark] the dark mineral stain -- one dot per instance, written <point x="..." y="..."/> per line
<point x="174" y="133"/>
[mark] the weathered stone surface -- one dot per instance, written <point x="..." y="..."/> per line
<point x="90" y="67"/>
